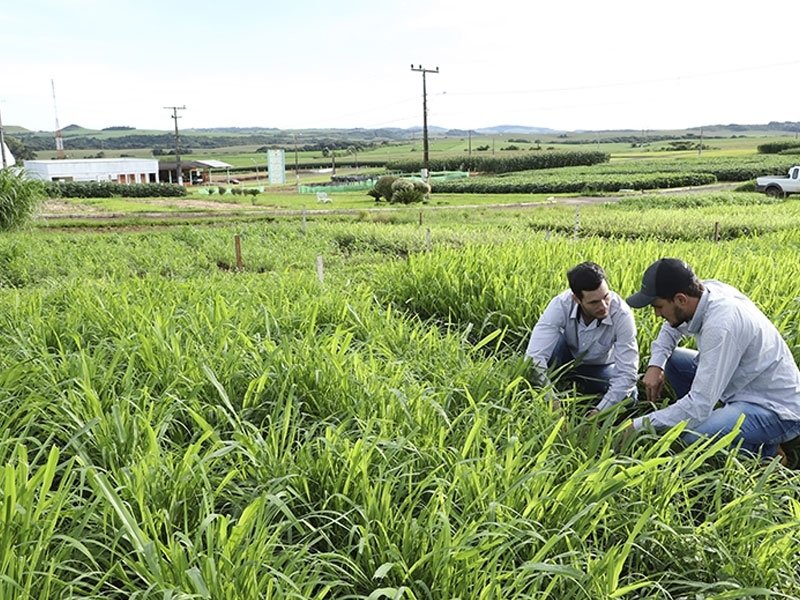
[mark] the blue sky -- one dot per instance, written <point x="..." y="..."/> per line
<point x="567" y="65"/>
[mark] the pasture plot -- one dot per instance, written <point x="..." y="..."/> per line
<point x="175" y="429"/>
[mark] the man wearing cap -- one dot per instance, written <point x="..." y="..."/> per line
<point x="593" y="328"/>
<point x="742" y="365"/>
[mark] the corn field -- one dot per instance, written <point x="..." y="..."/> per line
<point x="348" y="416"/>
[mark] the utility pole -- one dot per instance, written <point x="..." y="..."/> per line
<point x="2" y="145"/>
<point x="175" y="116"/>
<point x="425" y="155"/>
<point x="296" y="164"/>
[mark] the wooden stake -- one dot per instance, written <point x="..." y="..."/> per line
<point x="238" y="244"/>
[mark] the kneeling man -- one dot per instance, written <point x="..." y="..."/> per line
<point x="593" y="329"/>
<point x="742" y="365"/>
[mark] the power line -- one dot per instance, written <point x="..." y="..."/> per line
<point x="636" y="82"/>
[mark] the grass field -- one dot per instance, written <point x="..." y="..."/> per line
<point x="349" y="416"/>
<point x="333" y="404"/>
<point x="638" y="144"/>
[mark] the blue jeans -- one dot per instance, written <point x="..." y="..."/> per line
<point x="592" y="379"/>
<point x="761" y="431"/>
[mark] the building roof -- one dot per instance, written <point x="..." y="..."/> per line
<point x="214" y="164"/>
<point x="61" y="162"/>
<point x="194" y="164"/>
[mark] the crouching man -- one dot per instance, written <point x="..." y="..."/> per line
<point x="742" y="365"/>
<point x="589" y="330"/>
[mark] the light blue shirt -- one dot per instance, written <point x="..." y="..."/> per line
<point x="742" y="358"/>
<point x="610" y="341"/>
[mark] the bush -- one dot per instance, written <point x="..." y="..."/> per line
<point x="383" y="188"/>
<point x="777" y="147"/>
<point x="106" y="189"/>
<point x="509" y="164"/>
<point x="405" y="191"/>
<point x="399" y="191"/>
<point x="19" y="197"/>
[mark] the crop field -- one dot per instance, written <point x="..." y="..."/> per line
<point x="348" y="415"/>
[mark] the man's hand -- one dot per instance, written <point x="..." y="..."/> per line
<point x="653" y="381"/>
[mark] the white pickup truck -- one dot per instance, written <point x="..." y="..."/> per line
<point x="779" y="187"/>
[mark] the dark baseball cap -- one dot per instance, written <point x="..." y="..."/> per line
<point x="663" y="279"/>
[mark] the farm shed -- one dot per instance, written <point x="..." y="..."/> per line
<point x="117" y="170"/>
<point x="193" y="171"/>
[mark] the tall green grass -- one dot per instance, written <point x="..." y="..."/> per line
<point x="175" y="428"/>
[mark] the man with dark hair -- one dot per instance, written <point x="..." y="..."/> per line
<point x="592" y="328"/>
<point x="741" y="363"/>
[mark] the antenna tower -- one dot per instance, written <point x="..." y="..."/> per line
<point x="59" y="139"/>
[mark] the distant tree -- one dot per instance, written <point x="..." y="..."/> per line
<point x="18" y="149"/>
<point x="354" y="151"/>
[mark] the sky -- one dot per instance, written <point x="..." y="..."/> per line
<point x="563" y="64"/>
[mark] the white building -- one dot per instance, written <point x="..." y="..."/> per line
<point x="116" y="170"/>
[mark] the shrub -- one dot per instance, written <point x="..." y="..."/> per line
<point x="508" y="164"/>
<point x="405" y="191"/>
<point x="777" y="147"/>
<point x="106" y="189"/>
<point x="383" y="188"/>
<point x="19" y="197"/>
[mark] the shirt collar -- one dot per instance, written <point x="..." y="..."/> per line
<point x="696" y="321"/>
<point x="575" y="314"/>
